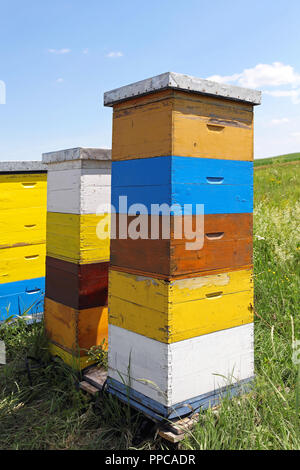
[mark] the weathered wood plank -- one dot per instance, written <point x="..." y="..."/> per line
<point x="159" y="412"/>
<point x="75" y="330"/>
<point x="96" y="376"/>
<point x="87" y="387"/>
<point x="79" y="191"/>
<point x="173" y="373"/>
<point x="22" y="262"/>
<point x="178" y="81"/>
<point x="22" y="227"/>
<point x="231" y="250"/>
<point x="77" y="285"/>
<point x="176" y="123"/>
<point x="73" y="237"/>
<point x="212" y="127"/>
<point x="223" y="186"/>
<point x="144" y="130"/>
<point x="17" y="297"/>
<point x="178" y="310"/>
<point x="71" y="359"/>
<point x="162" y="171"/>
<point x="21" y="191"/>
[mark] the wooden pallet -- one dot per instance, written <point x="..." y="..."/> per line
<point x="173" y="431"/>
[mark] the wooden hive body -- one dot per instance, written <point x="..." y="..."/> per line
<point x="23" y="193"/>
<point x="77" y="254"/>
<point x="181" y="318"/>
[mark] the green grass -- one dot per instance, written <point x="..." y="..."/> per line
<point x="290" y="157"/>
<point x="267" y="418"/>
<point x="50" y="413"/>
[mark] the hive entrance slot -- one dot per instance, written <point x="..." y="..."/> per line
<point x="33" y="291"/>
<point x="214" y="235"/>
<point x="28" y="185"/>
<point x="214" y="295"/>
<point x="214" y="179"/>
<point x="215" y="127"/>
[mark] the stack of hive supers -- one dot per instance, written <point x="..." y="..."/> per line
<point x="181" y="319"/>
<point x="23" y="193"/>
<point x="77" y="253"/>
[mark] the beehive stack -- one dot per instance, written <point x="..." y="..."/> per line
<point x="23" y="192"/>
<point x="181" y="320"/>
<point x="77" y="252"/>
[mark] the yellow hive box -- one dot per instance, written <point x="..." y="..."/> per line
<point x="170" y="311"/>
<point x="23" y="262"/>
<point x="20" y="190"/>
<point x="76" y="362"/>
<point x="22" y="226"/>
<point x="74" y="237"/>
<point x="182" y="124"/>
<point x="75" y="331"/>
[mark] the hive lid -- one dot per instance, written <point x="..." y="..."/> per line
<point x="78" y="153"/>
<point x="182" y="82"/>
<point x="22" y="166"/>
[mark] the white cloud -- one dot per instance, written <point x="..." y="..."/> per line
<point x="59" y="51"/>
<point x="267" y="75"/>
<point x="114" y="54"/>
<point x="85" y="51"/>
<point x="293" y="94"/>
<point x="295" y="134"/>
<point x="59" y="80"/>
<point x="275" y="74"/>
<point x="276" y="122"/>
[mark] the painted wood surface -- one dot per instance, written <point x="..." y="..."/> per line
<point x="212" y="127"/>
<point x="168" y="170"/>
<point x="73" y="360"/>
<point x="78" y="164"/>
<point x="172" y="373"/>
<point x="75" y="330"/>
<point x="73" y="237"/>
<point x="77" y="285"/>
<point x="181" y="82"/>
<point x="223" y="186"/>
<point x="79" y="191"/>
<point x="215" y="200"/>
<point x="20" y="191"/>
<point x="227" y="245"/>
<point x="177" y="123"/>
<point x="182" y="309"/>
<point x="22" y="227"/>
<point x="17" y="298"/>
<point x="22" y="262"/>
<point x="158" y="411"/>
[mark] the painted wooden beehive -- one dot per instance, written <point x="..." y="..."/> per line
<point x="23" y="193"/>
<point x="78" y="218"/>
<point x="181" y="320"/>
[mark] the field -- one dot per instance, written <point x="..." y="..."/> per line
<point x="41" y="408"/>
<point x="281" y="159"/>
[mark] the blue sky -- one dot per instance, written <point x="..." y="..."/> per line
<point x="57" y="57"/>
